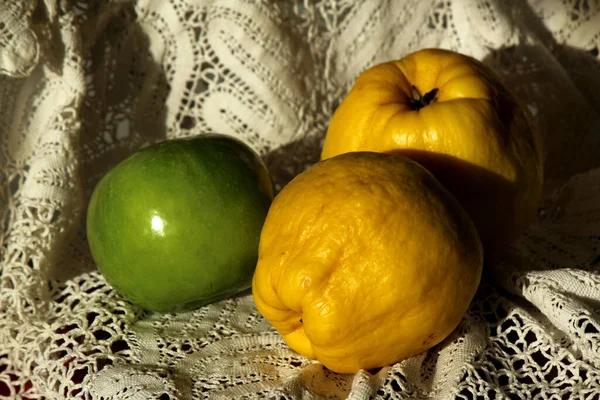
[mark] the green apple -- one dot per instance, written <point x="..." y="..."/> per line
<point x="176" y="225"/>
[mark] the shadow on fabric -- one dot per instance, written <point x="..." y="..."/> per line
<point x="123" y="111"/>
<point x="561" y="84"/>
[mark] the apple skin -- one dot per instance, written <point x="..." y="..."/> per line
<point x="176" y="225"/>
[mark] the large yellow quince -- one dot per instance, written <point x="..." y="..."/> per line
<point x="366" y="259"/>
<point x="451" y="114"/>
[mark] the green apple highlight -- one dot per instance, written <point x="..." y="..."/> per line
<point x="176" y="225"/>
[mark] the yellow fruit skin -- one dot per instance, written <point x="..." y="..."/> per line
<point x="365" y="259"/>
<point x="474" y="137"/>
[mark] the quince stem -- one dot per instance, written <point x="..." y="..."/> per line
<point x="419" y="101"/>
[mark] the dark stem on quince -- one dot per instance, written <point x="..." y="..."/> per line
<point x="419" y="101"/>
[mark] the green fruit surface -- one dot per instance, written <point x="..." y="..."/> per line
<point x="177" y="225"/>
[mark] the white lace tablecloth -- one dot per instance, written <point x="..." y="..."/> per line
<point x="85" y="83"/>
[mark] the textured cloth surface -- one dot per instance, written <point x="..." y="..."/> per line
<point x="85" y="83"/>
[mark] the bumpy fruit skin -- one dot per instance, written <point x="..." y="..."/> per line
<point x="177" y="225"/>
<point x="366" y="259"/>
<point x="471" y="133"/>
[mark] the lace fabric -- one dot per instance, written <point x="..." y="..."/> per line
<point x="86" y="83"/>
